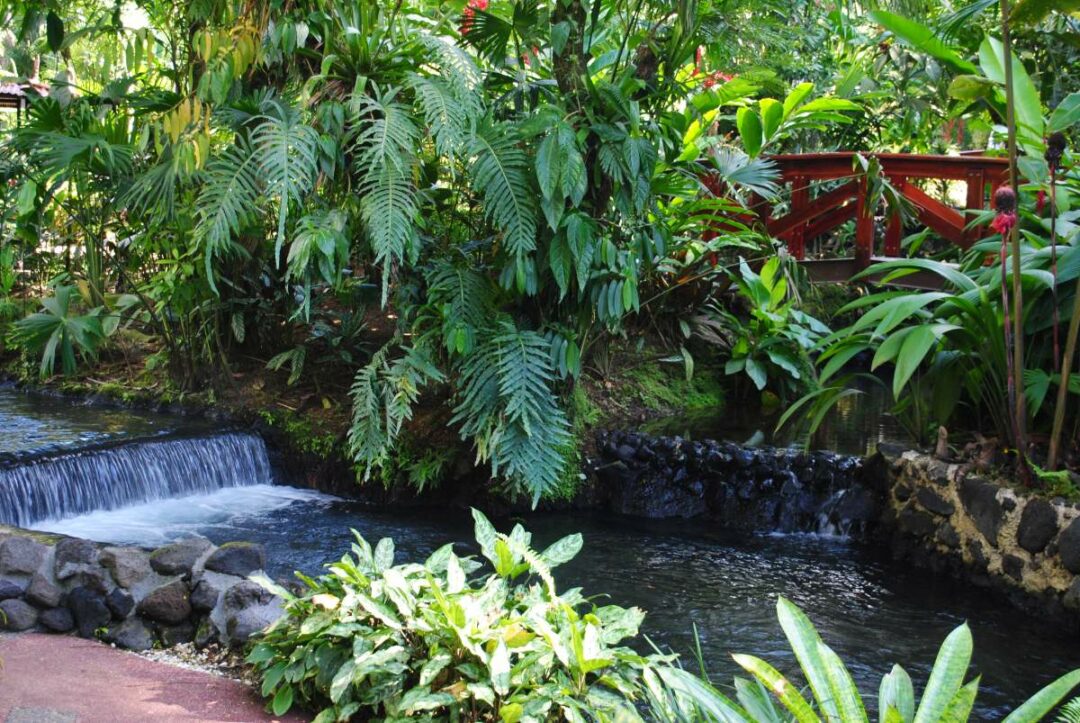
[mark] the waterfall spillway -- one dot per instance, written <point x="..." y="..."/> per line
<point x="104" y="479"/>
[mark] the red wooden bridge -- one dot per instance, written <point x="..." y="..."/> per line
<point x="814" y="214"/>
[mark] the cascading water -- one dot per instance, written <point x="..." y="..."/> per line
<point x="104" y="479"/>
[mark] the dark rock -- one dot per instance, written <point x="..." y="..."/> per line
<point x="978" y="555"/>
<point x="980" y="500"/>
<point x="244" y="594"/>
<point x="42" y="592"/>
<point x="90" y="611"/>
<point x="934" y="502"/>
<point x="120" y="603"/>
<point x="21" y="555"/>
<point x="902" y="491"/>
<point x="74" y="556"/>
<point x="207" y="591"/>
<point x="180" y="557"/>
<point x="128" y="565"/>
<point x="242" y="625"/>
<point x="167" y="604"/>
<point x="237" y="558"/>
<point x="1008" y="504"/>
<point x="1069" y="547"/>
<point x="206" y="633"/>
<point x="1038" y="525"/>
<point x="10" y="589"/>
<point x="177" y="634"/>
<point x="1071" y="599"/>
<point x="17" y="615"/>
<point x="57" y="620"/>
<point x="916" y="522"/>
<point x="132" y="634"/>
<point x="1013" y="567"/>
<point x="626" y="453"/>
<point x="948" y="536"/>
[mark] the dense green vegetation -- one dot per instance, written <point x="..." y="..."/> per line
<point x="484" y="206"/>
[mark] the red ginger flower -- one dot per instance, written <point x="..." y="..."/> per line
<point x="1040" y="201"/>
<point x="1005" y="203"/>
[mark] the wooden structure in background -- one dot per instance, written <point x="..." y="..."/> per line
<point x="812" y="217"/>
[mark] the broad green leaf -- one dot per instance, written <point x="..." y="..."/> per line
<point x="914" y="350"/>
<point x="562" y="551"/>
<point x="1029" y="114"/>
<point x="806" y="644"/>
<point x="1066" y="115"/>
<point x="896" y="697"/>
<point x="283" y="700"/>
<point x="959" y="710"/>
<point x="1040" y="704"/>
<point x="923" y="39"/>
<point x="786" y="692"/>
<point x="749" y="125"/>
<point x="1032" y="12"/>
<point x="499" y="665"/>
<point x="842" y="687"/>
<point x="772" y="114"/>
<point x="947" y="676"/>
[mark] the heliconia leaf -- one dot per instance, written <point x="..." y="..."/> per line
<point x="787" y="693"/>
<point x="805" y="643"/>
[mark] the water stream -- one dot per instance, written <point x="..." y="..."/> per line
<point x="872" y="611"/>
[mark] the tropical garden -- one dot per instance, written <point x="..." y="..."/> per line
<point x="489" y="223"/>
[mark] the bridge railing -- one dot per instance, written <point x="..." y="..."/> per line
<point x="810" y="217"/>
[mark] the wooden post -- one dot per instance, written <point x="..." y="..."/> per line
<point x="800" y="198"/>
<point x="976" y="201"/>
<point x="864" y="229"/>
<point x="895" y="230"/>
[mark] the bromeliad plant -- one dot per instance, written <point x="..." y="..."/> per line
<point x="438" y="641"/>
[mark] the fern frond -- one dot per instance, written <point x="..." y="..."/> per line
<point x="286" y="150"/>
<point x="227" y="202"/>
<point x="383" y="146"/>
<point x="459" y="70"/>
<point x="500" y="170"/>
<point x="465" y="300"/>
<point x="444" y="114"/>
<point x="383" y="394"/>
<point x="506" y="406"/>
<point x="1070" y="712"/>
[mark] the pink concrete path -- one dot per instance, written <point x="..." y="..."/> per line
<point x="61" y="679"/>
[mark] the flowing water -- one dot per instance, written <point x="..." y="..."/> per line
<point x="871" y="610"/>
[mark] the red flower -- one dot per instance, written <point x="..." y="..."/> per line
<point x="708" y="82"/>
<point x="1040" y="201"/>
<point x="699" y="54"/>
<point x="1003" y="222"/>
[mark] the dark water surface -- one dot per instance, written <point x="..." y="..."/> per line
<point x="36" y="423"/>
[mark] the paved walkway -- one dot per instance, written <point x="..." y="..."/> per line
<point x="62" y="679"/>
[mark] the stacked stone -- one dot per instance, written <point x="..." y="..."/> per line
<point x="946" y="517"/>
<point x="188" y="591"/>
<point x="751" y="488"/>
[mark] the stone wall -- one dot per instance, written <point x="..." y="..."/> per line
<point x="762" y="489"/>
<point x="941" y="516"/>
<point x="188" y="591"/>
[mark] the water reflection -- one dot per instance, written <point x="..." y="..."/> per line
<point x="856" y="425"/>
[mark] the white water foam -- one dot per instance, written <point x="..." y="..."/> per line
<point x="162" y="521"/>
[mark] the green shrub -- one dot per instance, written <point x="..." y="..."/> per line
<point x="437" y="640"/>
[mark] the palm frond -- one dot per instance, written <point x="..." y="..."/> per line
<point x="286" y="150"/>
<point x="1070" y="712"/>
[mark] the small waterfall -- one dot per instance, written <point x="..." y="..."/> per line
<point x="105" y="479"/>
